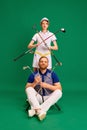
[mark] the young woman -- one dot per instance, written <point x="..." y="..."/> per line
<point x="41" y="48"/>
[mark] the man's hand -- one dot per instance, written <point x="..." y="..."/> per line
<point x="43" y="84"/>
<point x="37" y="80"/>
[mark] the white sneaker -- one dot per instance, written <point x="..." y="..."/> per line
<point x="42" y="115"/>
<point x="31" y="112"/>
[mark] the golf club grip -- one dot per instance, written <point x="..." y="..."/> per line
<point x="24" y="53"/>
<point x="19" y="56"/>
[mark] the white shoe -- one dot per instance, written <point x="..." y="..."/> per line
<point x="42" y="115"/>
<point x="31" y="112"/>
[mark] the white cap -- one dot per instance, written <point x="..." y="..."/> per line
<point x="44" y="19"/>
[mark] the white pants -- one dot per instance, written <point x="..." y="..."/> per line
<point x="36" y="102"/>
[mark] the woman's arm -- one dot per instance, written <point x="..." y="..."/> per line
<point x="31" y="44"/>
<point x="54" y="47"/>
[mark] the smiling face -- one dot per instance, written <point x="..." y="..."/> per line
<point x="44" y="25"/>
<point x="43" y="63"/>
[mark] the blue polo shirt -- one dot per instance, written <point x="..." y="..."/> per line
<point x="54" y="79"/>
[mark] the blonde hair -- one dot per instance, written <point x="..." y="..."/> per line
<point x="43" y="57"/>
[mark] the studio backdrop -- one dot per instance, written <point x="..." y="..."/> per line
<point x="16" y="20"/>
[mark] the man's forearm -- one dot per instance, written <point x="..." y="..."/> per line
<point x="51" y="87"/>
<point x="31" y="85"/>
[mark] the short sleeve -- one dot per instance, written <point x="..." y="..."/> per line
<point x="34" y="38"/>
<point x="53" y="38"/>
<point x="30" y="79"/>
<point x="55" y="78"/>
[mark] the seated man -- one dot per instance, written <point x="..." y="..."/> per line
<point x="43" y="90"/>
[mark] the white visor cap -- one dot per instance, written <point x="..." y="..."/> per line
<point x="44" y="19"/>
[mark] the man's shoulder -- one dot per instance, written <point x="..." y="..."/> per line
<point x="35" y="72"/>
<point x="54" y="76"/>
<point x="50" y="71"/>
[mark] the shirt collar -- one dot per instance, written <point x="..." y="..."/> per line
<point x="45" y="32"/>
<point x="44" y="73"/>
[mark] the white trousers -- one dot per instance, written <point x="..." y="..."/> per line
<point x="36" y="102"/>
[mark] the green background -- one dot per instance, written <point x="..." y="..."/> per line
<point x="16" y="20"/>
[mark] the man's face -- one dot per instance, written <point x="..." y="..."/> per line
<point x="43" y="63"/>
<point x="44" y="25"/>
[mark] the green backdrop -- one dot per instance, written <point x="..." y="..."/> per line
<point x="16" y="20"/>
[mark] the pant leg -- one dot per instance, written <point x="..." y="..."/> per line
<point x="33" y="97"/>
<point x="52" y="99"/>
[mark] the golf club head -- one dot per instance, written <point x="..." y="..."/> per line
<point x="62" y="30"/>
<point x="34" y="27"/>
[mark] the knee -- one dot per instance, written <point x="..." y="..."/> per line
<point x="29" y="90"/>
<point x="58" y="93"/>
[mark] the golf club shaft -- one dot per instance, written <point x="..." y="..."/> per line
<point x="26" y="52"/>
<point x="59" y="63"/>
<point x="21" y="55"/>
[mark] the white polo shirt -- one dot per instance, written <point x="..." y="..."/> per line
<point x="42" y="50"/>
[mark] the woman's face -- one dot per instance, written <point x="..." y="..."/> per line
<point x="44" y="25"/>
